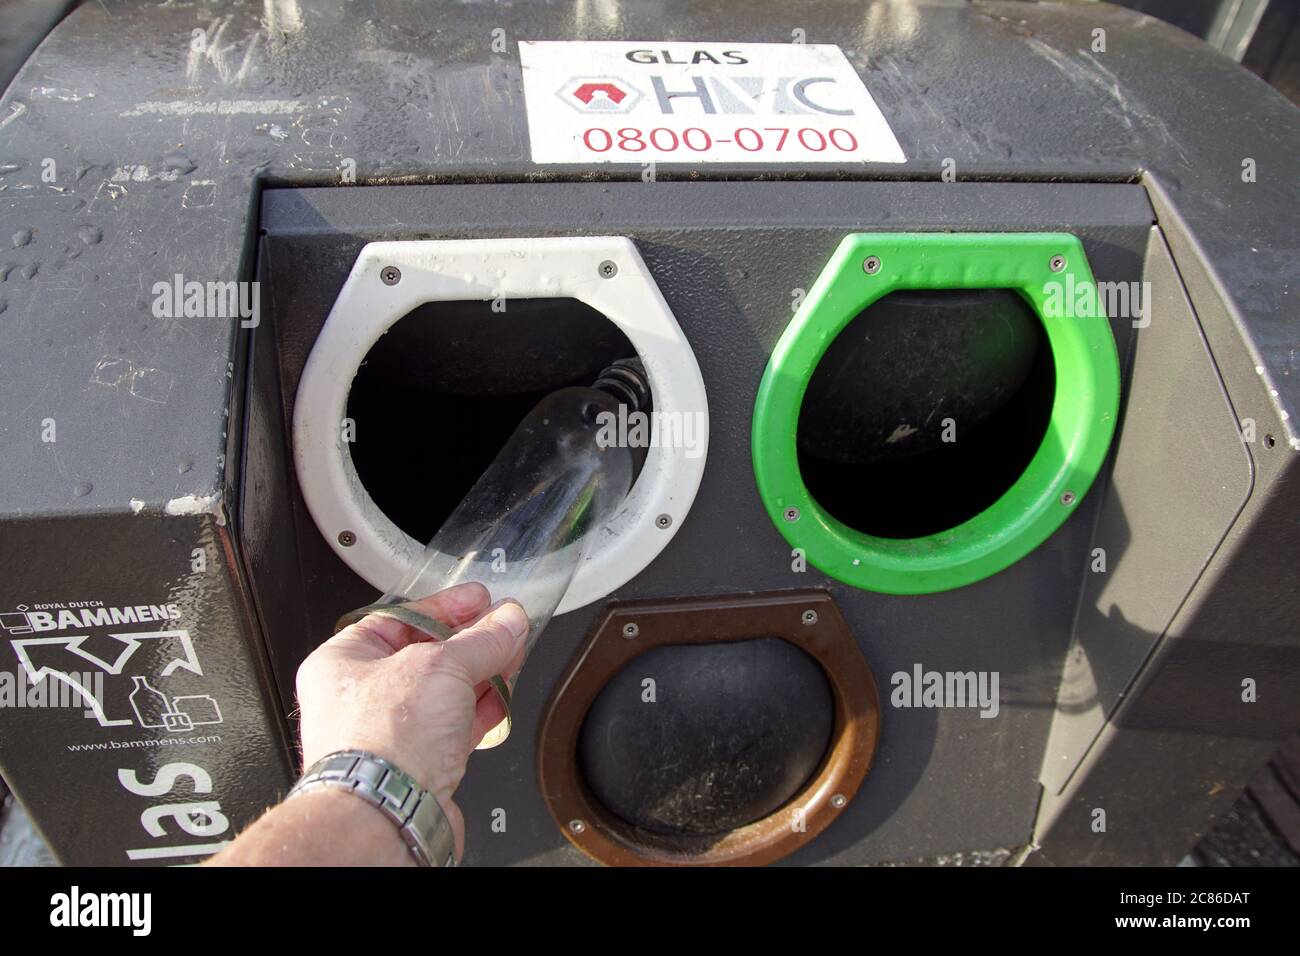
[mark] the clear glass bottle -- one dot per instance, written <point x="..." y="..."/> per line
<point x="526" y="525"/>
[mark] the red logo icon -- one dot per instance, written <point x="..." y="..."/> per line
<point x="588" y="92"/>
<point x="599" y="94"/>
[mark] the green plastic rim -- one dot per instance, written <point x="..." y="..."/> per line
<point x="1052" y="273"/>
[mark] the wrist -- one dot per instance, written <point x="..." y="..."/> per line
<point x="320" y="828"/>
<point x="419" y="817"/>
<point x="371" y="834"/>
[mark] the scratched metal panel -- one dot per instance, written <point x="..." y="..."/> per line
<point x="156" y="148"/>
<point x="129" y="155"/>
<point x="1180" y="479"/>
<point x="108" y="777"/>
<point x="727" y="257"/>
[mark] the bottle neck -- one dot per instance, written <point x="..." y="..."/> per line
<point x="626" y="381"/>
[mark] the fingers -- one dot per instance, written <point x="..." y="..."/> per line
<point x="455" y="606"/>
<point x="488" y="712"/>
<point x="488" y="646"/>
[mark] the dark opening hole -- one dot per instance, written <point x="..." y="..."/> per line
<point x="736" y="729"/>
<point x="438" y="395"/>
<point x="910" y="371"/>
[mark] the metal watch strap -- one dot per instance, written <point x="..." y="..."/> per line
<point x="419" y="818"/>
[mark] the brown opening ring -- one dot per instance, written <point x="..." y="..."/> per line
<point x="824" y="634"/>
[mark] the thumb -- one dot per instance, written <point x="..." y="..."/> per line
<point x="489" y="645"/>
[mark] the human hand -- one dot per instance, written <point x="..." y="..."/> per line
<point x="387" y="688"/>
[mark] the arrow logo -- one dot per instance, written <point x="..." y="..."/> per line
<point x="599" y="94"/>
<point x="587" y="92"/>
<point x="50" y="661"/>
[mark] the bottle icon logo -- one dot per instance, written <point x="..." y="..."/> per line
<point x="154" y="709"/>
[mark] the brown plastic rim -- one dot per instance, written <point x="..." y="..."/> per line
<point x="811" y="621"/>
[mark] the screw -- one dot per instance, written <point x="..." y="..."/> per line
<point x="664" y="521"/>
<point x="810" y="617"/>
<point x="791" y="514"/>
<point x="631" y="629"/>
<point x="1057" y="263"/>
<point x="839" y="801"/>
<point x="607" y="269"/>
<point x="390" y="275"/>
<point x="347" y="539"/>
<point x="871" y="265"/>
<point x="577" y="826"/>
<point x="1067" y="498"/>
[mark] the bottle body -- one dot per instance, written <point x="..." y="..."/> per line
<point x="525" y="527"/>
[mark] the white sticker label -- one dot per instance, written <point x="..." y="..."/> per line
<point x="625" y="102"/>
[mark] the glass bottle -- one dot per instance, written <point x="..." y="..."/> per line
<point x="529" y="521"/>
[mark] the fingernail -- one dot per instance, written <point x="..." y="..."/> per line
<point x="512" y="617"/>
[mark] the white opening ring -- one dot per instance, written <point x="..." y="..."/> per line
<point x="483" y="270"/>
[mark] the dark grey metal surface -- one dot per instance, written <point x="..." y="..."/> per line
<point x="159" y="152"/>
<point x="727" y="257"/>
<point x="189" y="788"/>
<point x="1216" y="691"/>
<point x="1156" y="536"/>
<point x="408" y="95"/>
<point x="1182" y="741"/>
<point x="23" y="25"/>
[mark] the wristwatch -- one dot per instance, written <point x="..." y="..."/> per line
<point x="419" y="818"/>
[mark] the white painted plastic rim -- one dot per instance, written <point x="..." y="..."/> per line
<point x="484" y="269"/>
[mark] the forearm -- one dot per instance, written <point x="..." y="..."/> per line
<point x="412" y="706"/>
<point x="319" y="828"/>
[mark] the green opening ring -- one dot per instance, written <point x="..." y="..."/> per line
<point x="1052" y="273"/>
